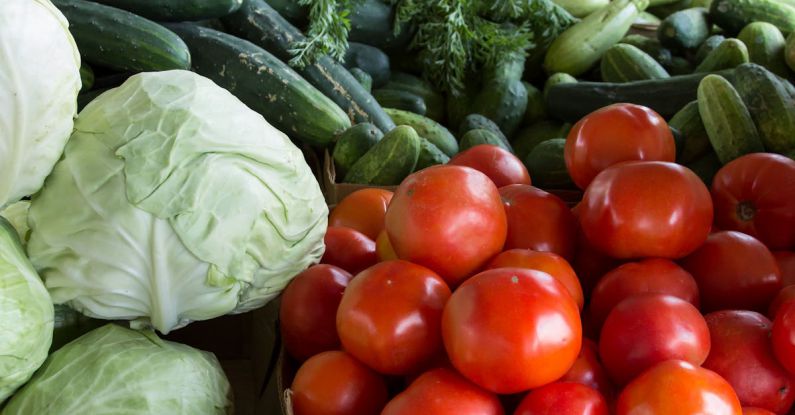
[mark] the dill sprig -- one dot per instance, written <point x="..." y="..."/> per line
<point x="327" y="33"/>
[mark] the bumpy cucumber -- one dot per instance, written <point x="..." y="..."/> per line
<point x="479" y="136"/>
<point x="734" y="15"/>
<point x="389" y="161"/>
<point x="685" y="29"/>
<point x="729" y="54"/>
<point x="626" y="63"/>
<point x="695" y="141"/>
<point x="770" y="104"/>
<point x="427" y="128"/>
<point x="766" y="46"/>
<point x="352" y="144"/>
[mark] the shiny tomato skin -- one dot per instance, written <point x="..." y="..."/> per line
<point x="734" y="271"/>
<point x="334" y="383"/>
<point x="443" y="392"/>
<point x="786" y="295"/>
<point x="548" y="262"/>
<point x="512" y="329"/>
<point x="647" y="329"/>
<point x="783" y="337"/>
<point x="646" y="209"/>
<point x="563" y="398"/>
<point x="449" y="219"/>
<point x="754" y="194"/>
<point x="384" y="248"/>
<point x="588" y="370"/>
<point x="616" y="133"/>
<point x="362" y="210"/>
<point x="786" y="264"/>
<point x="697" y="391"/>
<point x="749" y="410"/>
<point x="308" y="309"/>
<point x="539" y="221"/>
<point x="658" y="276"/>
<point x="743" y="355"/>
<point x="500" y="165"/>
<point x="348" y="249"/>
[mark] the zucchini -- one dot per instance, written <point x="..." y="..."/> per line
<point x="389" y="161"/>
<point x="369" y="59"/>
<point x="651" y="46"/>
<point x="265" y="84"/>
<point x="479" y="136"/>
<point x="734" y="15"/>
<point x="400" y="99"/>
<point x="766" y="46"/>
<point x="176" y="10"/>
<point x="770" y="104"/>
<point x="729" y="125"/>
<point x="710" y="44"/>
<point x="729" y="54"/>
<point x="434" y="101"/>
<point x="547" y="167"/>
<point x="528" y="138"/>
<point x="685" y="29"/>
<point x="86" y="77"/>
<point x="626" y="63"/>
<point x="260" y="24"/>
<point x="364" y="78"/>
<point x="695" y="142"/>
<point x="430" y="155"/>
<point x="790" y="51"/>
<point x="535" y="105"/>
<point x="352" y="144"/>
<point x="427" y="128"/>
<point x="121" y="40"/>
<point x="477" y="121"/>
<point x="582" y="8"/>
<point x="504" y="102"/>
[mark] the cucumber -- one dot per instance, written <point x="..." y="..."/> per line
<point x="582" y="8"/>
<point x="121" y="40"/>
<point x="364" y="78"/>
<point x="766" y="46"/>
<point x="291" y="10"/>
<point x="558" y="79"/>
<point x="685" y="29"/>
<point x="477" y="121"/>
<point x="479" y="136"/>
<point x="536" y="110"/>
<point x="790" y="51"/>
<point x="430" y="155"/>
<point x="509" y="68"/>
<point x="265" y="84"/>
<point x="547" y="167"/>
<point x="626" y="63"/>
<point x="86" y="77"/>
<point x="729" y="54"/>
<point x="369" y="59"/>
<point x="257" y="22"/>
<point x="651" y="46"/>
<point x="680" y="66"/>
<point x="695" y="142"/>
<point x="504" y="102"/>
<point x="427" y="128"/>
<point x="389" y="161"/>
<point x="734" y="15"/>
<point x="728" y="123"/>
<point x="664" y="10"/>
<point x="706" y="167"/>
<point x="710" y="44"/>
<point x="434" y="101"/>
<point x="770" y="104"/>
<point x="176" y="10"/>
<point x="401" y="99"/>
<point x="528" y="138"/>
<point x="352" y="144"/>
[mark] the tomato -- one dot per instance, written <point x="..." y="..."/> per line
<point x="754" y="195"/>
<point x="512" y="329"/>
<point x="749" y="410"/>
<point x="308" y="309"/>
<point x="550" y="263"/>
<point x="447" y="218"/>
<point x="646" y="209"/>
<point x="783" y="337"/>
<point x="786" y="295"/>
<point x="362" y="210"/>
<point x="742" y="354"/>
<point x="348" y="249"/>
<point x="384" y="248"/>
<point x="539" y="221"/>
<point x="734" y="271"/>
<point x="502" y="167"/>
<point x="786" y="264"/>
<point x="658" y="276"/>
<point x="443" y="392"/>
<point x="616" y="133"/>
<point x="563" y="398"/>
<point x="334" y="383"/>
<point x="588" y="370"/>
<point x="647" y="329"/>
<point x="390" y="316"/>
<point x="677" y="387"/>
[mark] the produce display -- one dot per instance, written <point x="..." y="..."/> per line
<point x="414" y="206"/>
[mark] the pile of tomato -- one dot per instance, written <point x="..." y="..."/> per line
<point x="469" y="291"/>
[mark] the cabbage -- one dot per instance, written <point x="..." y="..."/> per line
<point x="17" y="215"/>
<point x="113" y="370"/>
<point x="39" y="82"/>
<point x="26" y="315"/>
<point x="174" y="202"/>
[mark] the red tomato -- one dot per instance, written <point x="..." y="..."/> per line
<point x="748" y="410"/>
<point x="308" y="309"/>
<point x="550" y="263"/>
<point x="620" y="132"/>
<point x="754" y="195"/>
<point x="675" y="387"/>
<point x="384" y="248"/>
<point x="512" y="329"/>
<point x="657" y="276"/>
<point x="786" y="295"/>
<point x="539" y="221"/>
<point x="588" y="370"/>
<point x="443" y="392"/>
<point x="646" y="209"/>
<point x="648" y="329"/>
<point x="390" y="316"/>
<point x="447" y="218"/>
<point x="786" y="264"/>
<point x="563" y="398"/>
<point x="783" y="337"/>
<point x="734" y="271"/>
<point x="362" y="210"/>
<point x="502" y="167"/>
<point x="334" y="383"/>
<point x="348" y="249"/>
<point x="742" y="354"/>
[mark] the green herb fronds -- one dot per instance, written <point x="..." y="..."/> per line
<point x="327" y="33"/>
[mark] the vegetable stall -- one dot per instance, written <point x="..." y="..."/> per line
<point x="311" y="207"/>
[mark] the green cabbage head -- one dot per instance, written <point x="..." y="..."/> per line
<point x="174" y="202"/>
<point x="113" y="370"/>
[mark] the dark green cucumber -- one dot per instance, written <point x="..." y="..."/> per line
<point x="369" y="59"/>
<point x="86" y="77"/>
<point x="389" y="161"/>
<point x="296" y="13"/>
<point x="651" y="46"/>
<point x="626" y="63"/>
<point x="352" y="144"/>
<point x="685" y="29"/>
<point x="430" y="155"/>
<point x="710" y="44"/>
<point x="479" y="136"/>
<point x="734" y="15"/>
<point x="503" y="102"/>
<point x="176" y="10"/>
<point x="364" y="78"/>
<point x="729" y="125"/>
<point x="695" y="142"/>
<point x="558" y="79"/>
<point x="477" y="121"/>
<point x="770" y="104"/>
<point x="706" y="167"/>
<point x="664" y="10"/>
<point x="766" y="46"/>
<point x="529" y="137"/>
<point x="259" y="23"/>
<point x="434" y="101"/>
<point x="265" y="84"/>
<point x="680" y="66"/>
<point x="536" y="109"/>
<point x="121" y="40"/>
<point x="427" y="128"/>
<point x="729" y="54"/>
<point x="401" y="99"/>
<point x="547" y="167"/>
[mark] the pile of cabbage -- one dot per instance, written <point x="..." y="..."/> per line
<point x="165" y="201"/>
